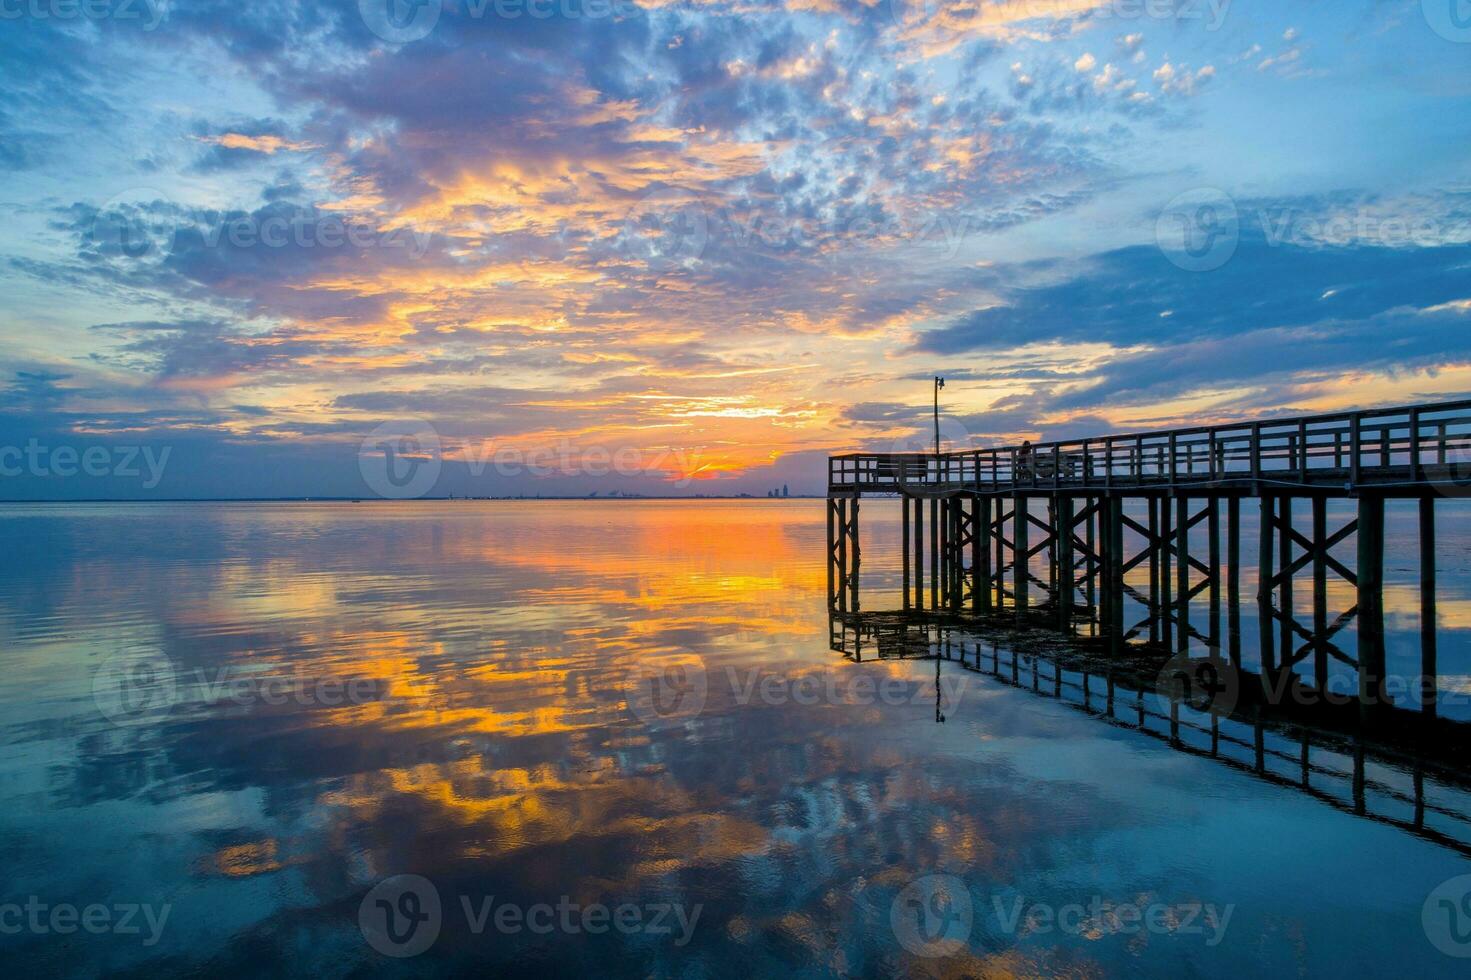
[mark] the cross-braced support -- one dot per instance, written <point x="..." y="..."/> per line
<point x="843" y="555"/>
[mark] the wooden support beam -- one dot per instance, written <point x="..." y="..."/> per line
<point x="1021" y="523"/>
<point x="842" y="554"/>
<point x="1320" y="594"/>
<point x="1000" y="572"/>
<point x="904" y="548"/>
<point x="1164" y="551"/>
<point x="1371" y="600"/>
<point x="942" y="528"/>
<point x="1154" y="504"/>
<point x="980" y="544"/>
<point x="1094" y="564"/>
<point x="857" y="556"/>
<point x="919" y="553"/>
<point x="1067" y="584"/>
<point x="1233" y="580"/>
<point x="1285" y="601"/>
<point x="934" y="553"/>
<point x="832" y="544"/>
<point x="1213" y="559"/>
<point x="1116" y="570"/>
<point x="1265" y="555"/>
<point x="1053" y="535"/>
<point x="1182" y="557"/>
<point x="957" y="553"/>
<point x="1429" y="676"/>
<point x="964" y="534"/>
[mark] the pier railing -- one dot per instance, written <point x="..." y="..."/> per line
<point x="1386" y="448"/>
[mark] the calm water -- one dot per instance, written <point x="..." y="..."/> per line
<point x="239" y="720"/>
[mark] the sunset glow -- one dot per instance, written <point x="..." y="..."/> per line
<point x="721" y="239"/>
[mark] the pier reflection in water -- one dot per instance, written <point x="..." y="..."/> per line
<point x="1410" y="772"/>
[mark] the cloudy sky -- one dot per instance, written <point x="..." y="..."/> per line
<point x="690" y="247"/>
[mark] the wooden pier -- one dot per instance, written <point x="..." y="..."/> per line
<point x="1063" y="531"/>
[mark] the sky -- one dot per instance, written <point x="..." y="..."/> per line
<point x="405" y="247"/>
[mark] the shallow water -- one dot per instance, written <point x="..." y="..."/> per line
<point x="246" y="717"/>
